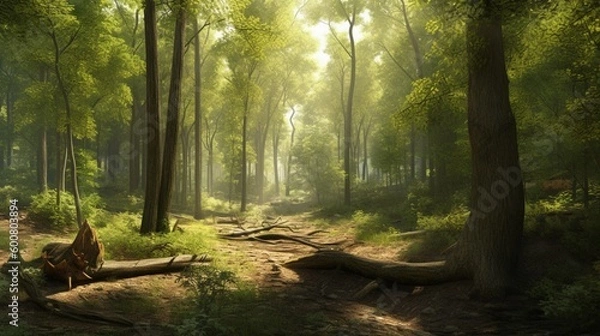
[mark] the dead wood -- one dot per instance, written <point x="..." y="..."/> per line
<point x="429" y="273"/>
<point x="411" y="233"/>
<point x="118" y="269"/>
<point x="252" y="231"/>
<point x="270" y="237"/>
<point x="83" y="262"/>
<point x="76" y="261"/>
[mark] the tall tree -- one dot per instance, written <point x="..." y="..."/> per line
<point x="153" y="172"/>
<point x="197" y="125"/>
<point x="172" y="130"/>
<point x="490" y="245"/>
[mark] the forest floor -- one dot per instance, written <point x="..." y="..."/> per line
<point x="308" y="302"/>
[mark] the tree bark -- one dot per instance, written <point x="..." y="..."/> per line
<point x="430" y="273"/>
<point x="289" y="160"/>
<point x="490" y="244"/>
<point x="152" y="141"/>
<point x="197" y="125"/>
<point x="348" y="115"/>
<point x="42" y="160"/>
<point x="172" y="131"/>
<point x="70" y="147"/>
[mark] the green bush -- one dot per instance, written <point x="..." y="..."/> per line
<point x="43" y="208"/>
<point x="577" y="303"/>
<point x="121" y="238"/>
<point x="210" y="288"/>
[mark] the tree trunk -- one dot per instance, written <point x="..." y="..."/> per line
<point x="170" y="149"/>
<point x="152" y="143"/>
<point x="70" y="148"/>
<point x="134" y="149"/>
<point x="42" y="160"/>
<point x="289" y="160"/>
<point x="244" y="170"/>
<point x="276" y="159"/>
<point x="348" y="118"/>
<point x="197" y="125"/>
<point x="490" y="244"/>
<point x="9" y="125"/>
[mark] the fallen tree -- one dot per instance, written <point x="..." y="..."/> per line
<point x="83" y="261"/>
<point x="429" y="273"/>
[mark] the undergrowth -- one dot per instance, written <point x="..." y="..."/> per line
<point x="120" y="235"/>
<point x="222" y="305"/>
<point x="44" y="209"/>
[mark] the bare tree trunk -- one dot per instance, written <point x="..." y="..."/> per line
<point x="197" y="125"/>
<point x="348" y="116"/>
<point x="289" y="160"/>
<point x="276" y="159"/>
<point x="9" y="125"/>
<point x="172" y="131"/>
<point x="134" y="150"/>
<point x="70" y="148"/>
<point x="152" y="143"/>
<point x="42" y="160"/>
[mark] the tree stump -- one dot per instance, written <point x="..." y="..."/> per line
<point x="74" y="261"/>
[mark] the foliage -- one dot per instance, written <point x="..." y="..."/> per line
<point x="314" y="160"/>
<point x="209" y="285"/>
<point x="576" y="303"/>
<point x="120" y="235"/>
<point x="43" y="209"/>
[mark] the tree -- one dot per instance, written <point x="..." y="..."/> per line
<point x="490" y="244"/>
<point x="149" y="217"/>
<point x="172" y="130"/>
<point x="489" y="247"/>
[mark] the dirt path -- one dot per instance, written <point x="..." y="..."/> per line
<point x="323" y="299"/>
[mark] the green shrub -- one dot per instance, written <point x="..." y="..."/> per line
<point x="576" y="303"/>
<point x="43" y="208"/>
<point x="121" y="238"/>
<point x="210" y="287"/>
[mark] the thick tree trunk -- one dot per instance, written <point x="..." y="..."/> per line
<point x="152" y="143"/>
<point x="430" y="273"/>
<point x="490" y="245"/>
<point x="197" y="126"/>
<point x="170" y="149"/>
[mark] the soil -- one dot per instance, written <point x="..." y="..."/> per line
<point x="326" y="296"/>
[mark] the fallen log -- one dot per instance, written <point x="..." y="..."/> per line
<point x="269" y="237"/>
<point x="118" y="269"/>
<point x="429" y="273"/>
<point x="83" y="261"/>
<point x="252" y="231"/>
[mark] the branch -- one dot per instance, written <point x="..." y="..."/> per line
<point x="337" y="39"/>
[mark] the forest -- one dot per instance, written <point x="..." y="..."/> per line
<point x="300" y="167"/>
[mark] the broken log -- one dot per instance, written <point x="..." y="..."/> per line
<point x="269" y="237"/>
<point x="429" y="273"/>
<point x="252" y="231"/>
<point x="118" y="269"/>
<point x="83" y="261"/>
